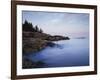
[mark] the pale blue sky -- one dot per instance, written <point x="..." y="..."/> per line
<point x="60" y="23"/>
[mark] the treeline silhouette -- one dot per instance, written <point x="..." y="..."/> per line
<point x="27" y="26"/>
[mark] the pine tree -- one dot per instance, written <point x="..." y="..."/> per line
<point x="41" y="31"/>
<point x="36" y="28"/>
<point x="27" y="26"/>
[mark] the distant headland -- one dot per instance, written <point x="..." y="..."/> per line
<point x="34" y="39"/>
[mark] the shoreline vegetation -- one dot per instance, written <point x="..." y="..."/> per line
<point x="35" y="40"/>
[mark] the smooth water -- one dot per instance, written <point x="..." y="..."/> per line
<point x="67" y="53"/>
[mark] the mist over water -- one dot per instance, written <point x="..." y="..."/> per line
<point x="67" y="53"/>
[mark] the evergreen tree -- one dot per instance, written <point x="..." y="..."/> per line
<point x="27" y="26"/>
<point x="41" y="31"/>
<point x="36" y="28"/>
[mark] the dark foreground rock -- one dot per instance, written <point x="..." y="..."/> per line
<point x="35" y="44"/>
<point x="27" y="64"/>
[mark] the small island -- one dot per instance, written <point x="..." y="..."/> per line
<point x="35" y="40"/>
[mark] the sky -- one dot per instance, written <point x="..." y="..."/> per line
<point x="59" y="23"/>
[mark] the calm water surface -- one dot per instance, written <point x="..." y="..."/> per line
<point x="73" y="52"/>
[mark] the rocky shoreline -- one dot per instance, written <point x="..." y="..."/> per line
<point x="35" y="40"/>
